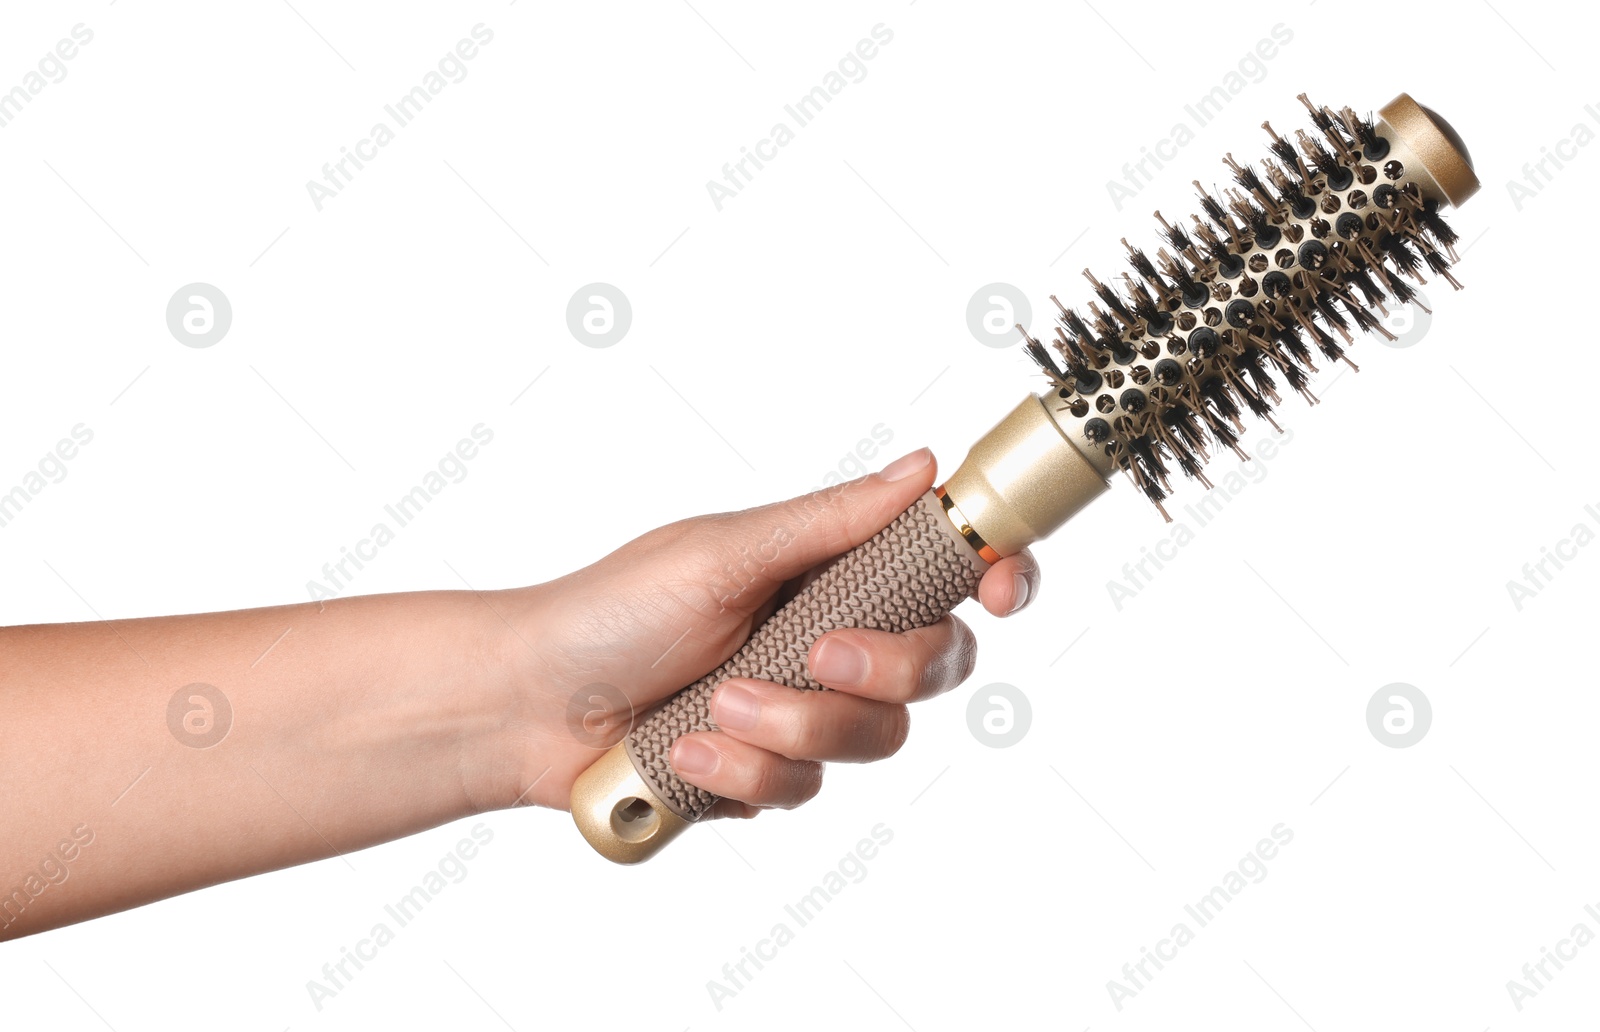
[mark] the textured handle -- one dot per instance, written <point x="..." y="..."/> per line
<point x="909" y="575"/>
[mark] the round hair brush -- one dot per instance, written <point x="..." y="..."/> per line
<point x="1150" y="379"/>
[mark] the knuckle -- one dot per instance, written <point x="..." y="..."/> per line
<point x="963" y="652"/>
<point x="892" y="732"/>
<point x="807" y="782"/>
<point x="952" y="663"/>
<point x="765" y="782"/>
<point x="905" y="668"/>
<point x="803" y="736"/>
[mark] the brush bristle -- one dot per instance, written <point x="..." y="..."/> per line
<point x="1261" y="290"/>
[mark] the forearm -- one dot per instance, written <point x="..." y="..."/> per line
<point x="352" y="722"/>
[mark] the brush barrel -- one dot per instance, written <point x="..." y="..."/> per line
<point x="1021" y="481"/>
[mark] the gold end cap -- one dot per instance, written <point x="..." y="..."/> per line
<point x="617" y="812"/>
<point x="1436" y="144"/>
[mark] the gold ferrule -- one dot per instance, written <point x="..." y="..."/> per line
<point x="618" y="813"/>
<point x="1429" y="149"/>
<point x="1021" y="481"/>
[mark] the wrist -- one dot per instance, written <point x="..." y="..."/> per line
<point x="521" y="759"/>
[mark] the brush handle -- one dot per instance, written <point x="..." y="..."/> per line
<point x="909" y="575"/>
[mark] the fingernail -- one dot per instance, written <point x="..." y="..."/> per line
<point x="692" y="756"/>
<point x="906" y="465"/>
<point x="736" y="708"/>
<point x="1020" y="598"/>
<point x="839" y="663"/>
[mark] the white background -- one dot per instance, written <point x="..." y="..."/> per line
<point x="768" y="338"/>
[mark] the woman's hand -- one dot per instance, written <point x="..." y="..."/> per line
<point x="607" y="643"/>
<point x="330" y="726"/>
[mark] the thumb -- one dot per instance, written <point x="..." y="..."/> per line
<point x="776" y="542"/>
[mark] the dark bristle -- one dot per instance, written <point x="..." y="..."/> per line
<point x="1180" y="275"/>
<point x="1180" y="419"/>
<point x="1363" y="130"/>
<point x="1357" y="274"/>
<point x="1071" y="353"/>
<point x="1214" y="211"/>
<point x="1040" y="354"/>
<point x="1113" y="302"/>
<point x="1429" y="216"/>
<point x="1251" y="297"/>
<point x="1320" y="156"/>
<point x="1319" y="116"/>
<point x="1144" y="306"/>
<point x="1261" y="227"/>
<point x="1147" y="270"/>
<point x="1175" y="235"/>
<point x="1398" y="250"/>
<point x="1075" y="325"/>
<point x="1288" y="334"/>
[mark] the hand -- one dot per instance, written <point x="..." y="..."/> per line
<point x="666" y="608"/>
